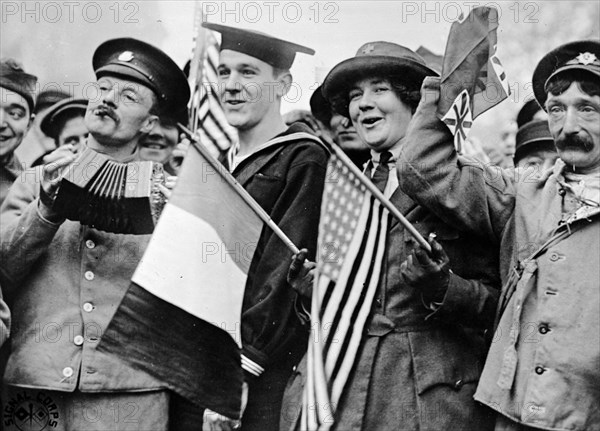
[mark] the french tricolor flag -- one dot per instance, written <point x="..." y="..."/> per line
<point x="180" y="319"/>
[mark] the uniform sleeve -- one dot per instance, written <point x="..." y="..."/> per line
<point x="471" y="303"/>
<point x="465" y="193"/>
<point x="271" y="329"/>
<point x="26" y="229"/>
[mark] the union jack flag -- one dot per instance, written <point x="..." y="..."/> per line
<point x="473" y="79"/>
<point x="352" y="236"/>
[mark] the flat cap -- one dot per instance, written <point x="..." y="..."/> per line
<point x="278" y="53"/>
<point x="580" y="55"/>
<point x="141" y="62"/>
<point x="535" y="132"/>
<point x="14" y="78"/>
<point x="52" y="118"/>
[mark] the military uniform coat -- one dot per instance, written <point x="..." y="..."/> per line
<point x="543" y="369"/>
<point x="64" y="282"/>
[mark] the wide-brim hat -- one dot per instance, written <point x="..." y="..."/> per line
<point x="375" y="59"/>
<point x="580" y="55"/>
<point x="143" y="63"/>
<point x="320" y="107"/>
<point x="51" y="119"/>
<point x="533" y="134"/>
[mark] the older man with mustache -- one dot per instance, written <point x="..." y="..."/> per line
<point x="542" y="370"/>
<point x="65" y="280"/>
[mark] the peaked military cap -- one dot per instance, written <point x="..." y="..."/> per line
<point x="51" y="119"/>
<point x="581" y="55"/>
<point x="278" y="53"/>
<point x="535" y="132"/>
<point x="47" y="98"/>
<point x="14" y="78"/>
<point x="141" y="62"/>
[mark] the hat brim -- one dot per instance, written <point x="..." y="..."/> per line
<point x="320" y="107"/>
<point x="532" y="145"/>
<point x="344" y="75"/>
<point x="51" y="116"/>
<point x="126" y="72"/>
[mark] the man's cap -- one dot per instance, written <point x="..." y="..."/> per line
<point x="14" y="78"/>
<point x="320" y="107"/>
<point x="528" y="112"/>
<point x="535" y="132"/>
<point x="375" y="59"/>
<point x="278" y="53"/>
<point x="49" y="97"/>
<point x="141" y="62"/>
<point x="52" y="119"/>
<point x="581" y="55"/>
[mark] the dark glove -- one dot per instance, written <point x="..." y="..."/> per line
<point x="428" y="272"/>
<point x="301" y="275"/>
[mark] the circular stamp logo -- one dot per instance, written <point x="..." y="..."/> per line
<point x="30" y="411"/>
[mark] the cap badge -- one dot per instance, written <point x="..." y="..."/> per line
<point x="125" y="56"/>
<point x="586" y="58"/>
<point x="368" y="49"/>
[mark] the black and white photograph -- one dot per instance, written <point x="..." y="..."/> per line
<point x="300" y="215"/>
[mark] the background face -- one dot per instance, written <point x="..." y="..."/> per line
<point x="540" y="160"/>
<point x="344" y="134"/>
<point x="158" y="145"/>
<point x="14" y="120"/>
<point x="73" y="132"/>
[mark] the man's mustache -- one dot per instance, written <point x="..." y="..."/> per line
<point x="104" y="110"/>
<point x="574" y="141"/>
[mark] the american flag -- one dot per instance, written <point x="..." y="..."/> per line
<point x="473" y="79"/>
<point x="352" y="236"/>
<point x="206" y="114"/>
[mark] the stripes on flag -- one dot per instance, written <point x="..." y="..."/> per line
<point x="352" y="238"/>
<point x="207" y="118"/>
<point x="180" y="321"/>
<point x="473" y="79"/>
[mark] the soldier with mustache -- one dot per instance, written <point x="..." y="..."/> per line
<point x="542" y="370"/>
<point x="64" y="281"/>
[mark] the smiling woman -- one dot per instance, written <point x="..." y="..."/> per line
<point x="378" y="113"/>
<point x="415" y="331"/>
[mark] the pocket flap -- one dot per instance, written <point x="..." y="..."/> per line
<point x="445" y="358"/>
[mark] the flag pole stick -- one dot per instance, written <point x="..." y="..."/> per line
<point x="241" y="191"/>
<point x="379" y="196"/>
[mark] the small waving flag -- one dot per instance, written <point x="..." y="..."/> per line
<point x="352" y="235"/>
<point x="473" y="79"/>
